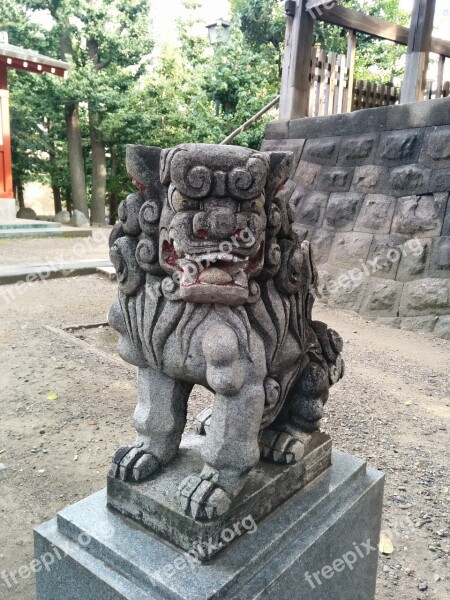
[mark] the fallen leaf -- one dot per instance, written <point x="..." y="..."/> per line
<point x="444" y="490"/>
<point x="385" y="546"/>
<point x="52" y="396"/>
<point x="75" y="457"/>
<point x="409" y="403"/>
<point x="4" y="450"/>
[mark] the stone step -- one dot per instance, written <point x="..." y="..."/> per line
<point x="28" y="224"/>
<point x="54" y="231"/>
<point x="30" y="273"/>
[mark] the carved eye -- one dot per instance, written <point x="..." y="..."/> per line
<point x="255" y="205"/>
<point x="178" y="202"/>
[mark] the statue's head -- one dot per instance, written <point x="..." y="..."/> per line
<point x="213" y="221"/>
<point x="205" y="220"/>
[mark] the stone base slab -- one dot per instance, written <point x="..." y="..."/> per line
<point x="7" y="209"/>
<point x="155" y="504"/>
<point x="317" y="545"/>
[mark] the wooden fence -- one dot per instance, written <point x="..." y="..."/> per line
<point x="368" y="94"/>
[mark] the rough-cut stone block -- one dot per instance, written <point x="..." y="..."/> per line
<point x="360" y="121"/>
<point x="446" y="226"/>
<point x="436" y="149"/>
<point x="420" y="216"/>
<point x="442" y="328"/>
<point x="425" y="324"/>
<point x="342" y="210"/>
<point x="418" y="114"/>
<point x="321" y="243"/>
<point x="425" y="296"/>
<point x="368" y="178"/>
<point x="335" y="179"/>
<point x="399" y="147"/>
<point x="345" y="291"/>
<point x="358" y="150"/>
<point x="384" y="255"/>
<point x="307" y="174"/>
<point x="276" y="130"/>
<point x="297" y="196"/>
<point x="376" y="214"/>
<point x="440" y="255"/>
<point x="410" y="179"/>
<point x="415" y="259"/>
<point x="311" y="208"/>
<point x="382" y="298"/>
<point x="323" y="151"/>
<point x="350" y="249"/>
<point x="294" y="146"/>
<point x="440" y="180"/>
<point x="125" y="562"/>
<point x="303" y="231"/>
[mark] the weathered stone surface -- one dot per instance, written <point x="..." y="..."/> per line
<point x="341" y="211"/>
<point x="390" y="321"/>
<point x="63" y="216"/>
<point x="436" y="149"/>
<point x="382" y="298"/>
<point x="344" y="291"/>
<point x="425" y="296"/>
<point x="335" y="179"/>
<point x="409" y="179"/>
<point x="418" y="114"/>
<point x="297" y="196"/>
<point x="415" y="259"/>
<point x="294" y="146"/>
<point x="312" y="207"/>
<point x="303" y="231"/>
<point x="384" y="255"/>
<point x="442" y="327"/>
<point x="307" y="174"/>
<point x="358" y="150"/>
<point x="440" y="256"/>
<point x="205" y="267"/>
<point x="425" y="324"/>
<point x="359" y="121"/>
<point x="376" y="214"/>
<point x="400" y="147"/>
<point x="446" y="225"/>
<point x="323" y="151"/>
<point x="79" y="219"/>
<point x="420" y="216"/>
<point x="276" y="130"/>
<point x="368" y="178"/>
<point x="440" y="180"/>
<point x="350" y="249"/>
<point x="321" y="243"/>
<point x="26" y="213"/>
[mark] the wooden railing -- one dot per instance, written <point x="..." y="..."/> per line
<point x="368" y="94"/>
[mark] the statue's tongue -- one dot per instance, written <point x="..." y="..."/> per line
<point x="215" y="276"/>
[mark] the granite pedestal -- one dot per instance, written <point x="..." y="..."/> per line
<point x="320" y="544"/>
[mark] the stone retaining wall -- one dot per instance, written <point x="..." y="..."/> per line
<point x="371" y="193"/>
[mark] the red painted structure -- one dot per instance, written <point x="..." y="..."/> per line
<point x="13" y="57"/>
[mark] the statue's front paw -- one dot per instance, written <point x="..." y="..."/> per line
<point x="280" y="447"/>
<point x="202" y="499"/>
<point x="133" y="463"/>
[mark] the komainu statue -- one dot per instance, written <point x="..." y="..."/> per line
<point x="216" y="289"/>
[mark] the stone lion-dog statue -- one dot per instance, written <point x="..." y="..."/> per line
<point x="216" y="289"/>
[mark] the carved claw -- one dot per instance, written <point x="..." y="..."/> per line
<point x="281" y="448"/>
<point x="202" y="498"/>
<point x="133" y="463"/>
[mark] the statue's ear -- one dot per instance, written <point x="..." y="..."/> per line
<point x="279" y="171"/>
<point x="143" y="168"/>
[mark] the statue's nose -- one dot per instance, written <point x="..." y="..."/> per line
<point x="217" y="223"/>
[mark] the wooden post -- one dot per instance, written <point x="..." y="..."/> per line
<point x="419" y="46"/>
<point x="350" y="65"/>
<point x="440" y="76"/>
<point x="295" y="84"/>
<point x="6" y="185"/>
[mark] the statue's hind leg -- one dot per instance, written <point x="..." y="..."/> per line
<point x="231" y="447"/>
<point x="159" y="418"/>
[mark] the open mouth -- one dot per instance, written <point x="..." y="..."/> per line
<point x="214" y="267"/>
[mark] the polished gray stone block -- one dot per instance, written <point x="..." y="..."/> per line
<point x="324" y="533"/>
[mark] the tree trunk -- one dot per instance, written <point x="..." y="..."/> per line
<point x="76" y="163"/>
<point x="18" y="192"/>
<point x="57" y="199"/>
<point x="98" y="171"/>
<point x="113" y="196"/>
<point x="69" y="204"/>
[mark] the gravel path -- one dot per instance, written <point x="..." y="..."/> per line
<point x="393" y="408"/>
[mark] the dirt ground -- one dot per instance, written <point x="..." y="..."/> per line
<point x="393" y="408"/>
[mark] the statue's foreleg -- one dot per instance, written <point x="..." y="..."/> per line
<point x="159" y="418"/>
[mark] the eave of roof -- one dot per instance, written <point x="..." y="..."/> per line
<point x="27" y="60"/>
